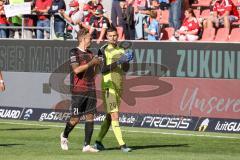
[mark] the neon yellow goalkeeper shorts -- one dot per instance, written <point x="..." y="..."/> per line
<point x="111" y="94"/>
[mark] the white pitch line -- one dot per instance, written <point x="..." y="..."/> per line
<point x="131" y="131"/>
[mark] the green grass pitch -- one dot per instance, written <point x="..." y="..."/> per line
<point x="28" y="140"/>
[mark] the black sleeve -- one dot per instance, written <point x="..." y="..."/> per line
<point x="125" y="67"/>
<point x="51" y="10"/>
<point x="106" y="68"/>
<point x="73" y="56"/>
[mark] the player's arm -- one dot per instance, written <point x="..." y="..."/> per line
<point x="122" y="61"/>
<point x="78" y="69"/>
<point x="104" y="67"/>
<point x="75" y="62"/>
<point x="96" y="69"/>
<point x="125" y="67"/>
<point x="65" y="16"/>
<point x="109" y="68"/>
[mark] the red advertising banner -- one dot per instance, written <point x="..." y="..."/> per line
<point x="216" y="98"/>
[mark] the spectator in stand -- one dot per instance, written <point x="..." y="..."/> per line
<point x="175" y="13"/>
<point x="74" y="17"/>
<point x="99" y="25"/>
<point x="164" y="4"/>
<point x="141" y="10"/>
<point x="41" y="8"/>
<point x="29" y="21"/>
<point x="107" y="5"/>
<point x="94" y="5"/>
<point x="189" y="29"/>
<point x="153" y="28"/>
<point x="116" y="15"/>
<point x="114" y="11"/>
<point x="155" y="5"/>
<point x="87" y="14"/>
<point x="59" y="22"/>
<point x="128" y="16"/>
<point x="15" y="21"/>
<point x="3" y="21"/>
<point x="224" y="13"/>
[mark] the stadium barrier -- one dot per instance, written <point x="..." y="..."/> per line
<point x="187" y="86"/>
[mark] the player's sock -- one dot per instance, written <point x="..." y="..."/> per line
<point x="103" y="130"/>
<point x="69" y="127"/>
<point x="117" y="131"/>
<point x="88" y="132"/>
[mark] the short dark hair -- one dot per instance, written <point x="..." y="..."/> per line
<point x="190" y="10"/>
<point x="81" y="33"/>
<point x="153" y="14"/>
<point x="112" y="29"/>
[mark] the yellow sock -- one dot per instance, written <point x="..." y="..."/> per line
<point x="117" y="131"/>
<point x="103" y="130"/>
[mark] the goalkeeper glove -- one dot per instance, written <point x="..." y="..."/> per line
<point x="128" y="56"/>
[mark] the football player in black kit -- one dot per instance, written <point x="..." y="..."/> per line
<point x="83" y="69"/>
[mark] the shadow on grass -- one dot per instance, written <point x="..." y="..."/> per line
<point x="151" y="146"/>
<point x="10" y="145"/>
<point x="23" y="129"/>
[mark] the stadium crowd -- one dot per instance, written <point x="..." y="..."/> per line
<point x="175" y="20"/>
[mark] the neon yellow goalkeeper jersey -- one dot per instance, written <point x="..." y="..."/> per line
<point x="112" y="79"/>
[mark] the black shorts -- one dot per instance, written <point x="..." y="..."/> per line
<point x="84" y="103"/>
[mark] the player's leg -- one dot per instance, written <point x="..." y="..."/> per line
<point x="89" y="125"/>
<point x="89" y="108"/>
<point x="68" y="128"/>
<point x="88" y="129"/>
<point x="105" y="124"/>
<point x="113" y="103"/>
<point x="73" y="121"/>
<point x="104" y="128"/>
<point x="118" y="133"/>
<point x="70" y="125"/>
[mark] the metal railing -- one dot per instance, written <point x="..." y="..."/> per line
<point x="52" y="34"/>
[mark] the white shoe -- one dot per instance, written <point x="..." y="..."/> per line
<point x="64" y="142"/>
<point x="89" y="148"/>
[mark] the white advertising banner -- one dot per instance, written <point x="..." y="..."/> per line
<point x="17" y="9"/>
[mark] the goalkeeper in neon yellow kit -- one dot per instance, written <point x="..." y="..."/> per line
<point x="114" y="58"/>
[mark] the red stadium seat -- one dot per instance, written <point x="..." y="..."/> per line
<point x="164" y="17"/>
<point x="222" y="34"/>
<point x="208" y="34"/>
<point x="202" y="3"/>
<point x="235" y="35"/>
<point x="167" y="33"/>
